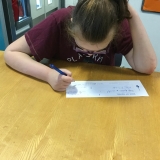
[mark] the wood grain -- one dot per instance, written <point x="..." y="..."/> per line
<point x="37" y="123"/>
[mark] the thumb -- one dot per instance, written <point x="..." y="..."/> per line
<point x="69" y="73"/>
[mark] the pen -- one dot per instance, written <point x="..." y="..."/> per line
<point x="57" y="69"/>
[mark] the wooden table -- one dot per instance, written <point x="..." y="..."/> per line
<point x="41" y="124"/>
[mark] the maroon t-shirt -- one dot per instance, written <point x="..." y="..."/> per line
<point x="49" y="40"/>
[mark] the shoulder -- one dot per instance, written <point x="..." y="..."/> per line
<point x="124" y="26"/>
<point x="53" y="21"/>
<point x="123" y="31"/>
<point x="63" y="14"/>
<point x="56" y="18"/>
<point x="123" y="40"/>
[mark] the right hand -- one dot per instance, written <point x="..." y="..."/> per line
<point x="59" y="82"/>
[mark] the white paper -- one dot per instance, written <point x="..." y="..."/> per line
<point x="131" y="88"/>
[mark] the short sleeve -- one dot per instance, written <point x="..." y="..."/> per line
<point x="43" y="39"/>
<point x="124" y="43"/>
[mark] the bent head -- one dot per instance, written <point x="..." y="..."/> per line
<point x="95" y="22"/>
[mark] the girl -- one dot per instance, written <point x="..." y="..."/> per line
<point x="92" y="31"/>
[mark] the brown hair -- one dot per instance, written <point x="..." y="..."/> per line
<point x="95" y="18"/>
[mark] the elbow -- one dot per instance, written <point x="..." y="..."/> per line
<point x="152" y="69"/>
<point x="6" y="54"/>
<point x="151" y="63"/>
<point x="152" y="66"/>
<point x="147" y="67"/>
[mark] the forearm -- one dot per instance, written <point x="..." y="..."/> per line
<point x="144" y="57"/>
<point x="25" y="64"/>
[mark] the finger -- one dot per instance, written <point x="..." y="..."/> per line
<point x="62" y="89"/>
<point x="67" y="79"/>
<point x="66" y="85"/>
<point x="67" y="72"/>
